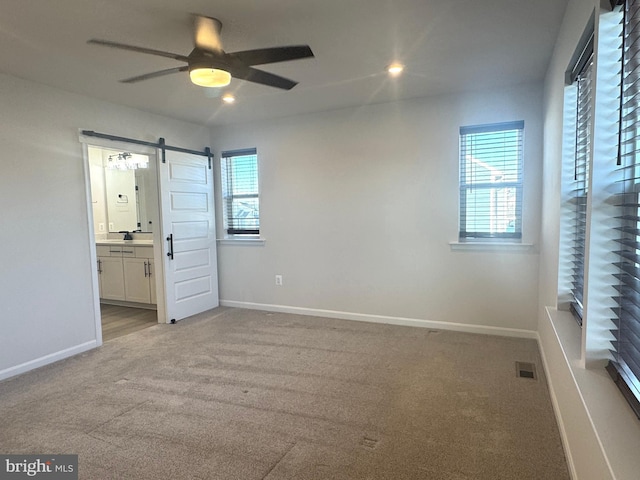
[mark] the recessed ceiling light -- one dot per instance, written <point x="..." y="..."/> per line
<point x="228" y="98"/>
<point x="395" y="69"/>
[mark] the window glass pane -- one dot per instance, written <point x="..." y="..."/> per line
<point x="493" y="157"/>
<point x="580" y="186"/>
<point x="245" y="175"/>
<point x="491" y="210"/>
<point x="245" y="213"/>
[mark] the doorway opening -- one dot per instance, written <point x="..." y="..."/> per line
<point x="178" y="254"/>
<point x="123" y="191"/>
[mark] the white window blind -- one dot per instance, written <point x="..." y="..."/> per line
<point x="584" y="119"/>
<point x="491" y="158"/>
<point x="240" y="194"/>
<point x="625" y="366"/>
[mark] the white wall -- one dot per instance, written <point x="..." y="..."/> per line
<point x="600" y="432"/>
<point x="358" y="207"/>
<point x="120" y="186"/>
<point x="46" y="303"/>
<point x="98" y="193"/>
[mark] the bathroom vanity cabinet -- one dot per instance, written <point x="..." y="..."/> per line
<point x="110" y="276"/>
<point x="126" y="273"/>
<point x="139" y="286"/>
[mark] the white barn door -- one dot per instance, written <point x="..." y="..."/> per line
<point x="189" y="236"/>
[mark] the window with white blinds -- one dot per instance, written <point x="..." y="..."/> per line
<point x="239" y="171"/>
<point x="491" y="158"/>
<point x="625" y="366"/>
<point x="584" y="119"/>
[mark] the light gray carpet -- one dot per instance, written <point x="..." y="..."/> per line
<point x="237" y="394"/>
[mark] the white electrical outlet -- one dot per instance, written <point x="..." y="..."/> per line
<point x="110" y="226"/>
<point x="279" y="280"/>
<point x="101" y="227"/>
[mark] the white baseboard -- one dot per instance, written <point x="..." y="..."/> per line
<point x="364" y="317"/>
<point x="47" y="359"/>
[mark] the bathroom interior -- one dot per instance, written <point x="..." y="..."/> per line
<point x="124" y="197"/>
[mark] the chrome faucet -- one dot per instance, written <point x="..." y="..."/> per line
<point x="127" y="235"/>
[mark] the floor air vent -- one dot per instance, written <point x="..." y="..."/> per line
<point x="526" y="370"/>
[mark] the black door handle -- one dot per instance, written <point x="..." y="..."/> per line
<point x="170" y="240"/>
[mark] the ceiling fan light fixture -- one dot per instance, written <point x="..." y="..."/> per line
<point x="210" y="77"/>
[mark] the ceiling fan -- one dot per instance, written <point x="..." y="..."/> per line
<point x="210" y="66"/>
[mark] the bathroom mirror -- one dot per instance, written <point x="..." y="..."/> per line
<point x="123" y="189"/>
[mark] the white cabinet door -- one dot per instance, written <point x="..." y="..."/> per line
<point x="136" y="280"/>
<point x="152" y="280"/>
<point x="111" y="278"/>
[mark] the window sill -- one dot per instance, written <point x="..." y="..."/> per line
<point x="607" y="414"/>
<point x="499" y="246"/>
<point x="248" y="242"/>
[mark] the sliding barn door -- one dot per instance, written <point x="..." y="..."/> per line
<point x="189" y="237"/>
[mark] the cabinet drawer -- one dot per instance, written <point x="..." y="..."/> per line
<point x="128" y="251"/>
<point x="114" y="251"/>
<point x="144" y="252"/>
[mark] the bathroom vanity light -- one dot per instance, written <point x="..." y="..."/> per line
<point x="126" y="161"/>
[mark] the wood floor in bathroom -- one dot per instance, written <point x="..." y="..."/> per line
<point x="118" y="321"/>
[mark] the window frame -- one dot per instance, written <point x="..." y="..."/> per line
<point x="232" y="226"/>
<point x="464" y="187"/>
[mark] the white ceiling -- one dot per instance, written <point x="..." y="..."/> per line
<point x="446" y="45"/>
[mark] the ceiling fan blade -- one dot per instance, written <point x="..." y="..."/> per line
<point x="262" y="56"/>
<point x="133" y="48"/>
<point x="265" y="78"/>
<point x="160" y="73"/>
<point x="207" y="33"/>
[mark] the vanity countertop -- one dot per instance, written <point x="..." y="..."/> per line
<point x="118" y="241"/>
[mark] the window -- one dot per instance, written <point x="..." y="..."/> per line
<point x="581" y="77"/>
<point x="241" y="201"/>
<point x="625" y="366"/>
<point x="491" y="181"/>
